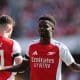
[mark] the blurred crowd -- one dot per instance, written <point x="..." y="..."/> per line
<point x="26" y="13"/>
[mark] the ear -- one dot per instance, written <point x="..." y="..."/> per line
<point x="52" y="28"/>
<point x="8" y="30"/>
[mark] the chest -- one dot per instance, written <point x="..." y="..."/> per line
<point x="47" y="51"/>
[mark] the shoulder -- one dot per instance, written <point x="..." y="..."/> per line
<point x="59" y="44"/>
<point x="16" y="47"/>
<point x="9" y="40"/>
<point x="33" y="42"/>
<point x="15" y="42"/>
<point x="30" y="44"/>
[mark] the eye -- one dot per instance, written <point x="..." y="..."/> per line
<point x="42" y="28"/>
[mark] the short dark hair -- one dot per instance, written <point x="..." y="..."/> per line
<point x="5" y="19"/>
<point x="48" y="17"/>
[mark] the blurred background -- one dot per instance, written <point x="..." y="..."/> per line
<point x="66" y="13"/>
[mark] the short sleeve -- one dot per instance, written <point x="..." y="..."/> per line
<point x="66" y="55"/>
<point x="16" y="47"/>
<point x="27" y="49"/>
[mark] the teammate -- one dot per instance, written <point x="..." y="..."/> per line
<point x="9" y="48"/>
<point x="46" y="54"/>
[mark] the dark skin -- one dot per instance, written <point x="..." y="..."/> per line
<point x="46" y="28"/>
<point x="45" y="31"/>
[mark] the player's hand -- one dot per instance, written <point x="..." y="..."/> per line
<point x="18" y="60"/>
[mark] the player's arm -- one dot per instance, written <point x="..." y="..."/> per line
<point x="17" y="53"/>
<point x="16" y="68"/>
<point x="68" y="59"/>
<point x="71" y="63"/>
<point x="17" y="58"/>
<point x="75" y="67"/>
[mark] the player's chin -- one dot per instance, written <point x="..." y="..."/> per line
<point x="46" y="38"/>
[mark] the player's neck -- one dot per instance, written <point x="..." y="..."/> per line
<point x="44" y="40"/>
<point x="3" y="34"/>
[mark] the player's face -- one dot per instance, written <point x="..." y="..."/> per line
<point x="9" y="30"/>
<point x="45" y="28"/>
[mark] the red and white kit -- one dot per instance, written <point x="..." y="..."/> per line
<point x="46" y="60"/>
<point x="8" y="47"/>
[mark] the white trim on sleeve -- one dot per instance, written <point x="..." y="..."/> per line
<point x="66" y="55"/>
<point x="16" y="47"/>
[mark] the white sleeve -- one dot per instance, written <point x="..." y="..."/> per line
<point x="27" y="50"/>
<point x="16" y="48"/>
<point x="66" y="55"/>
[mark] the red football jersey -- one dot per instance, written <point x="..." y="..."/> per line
<point x="44" y="60"/>
<point x="6" y="48"/>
